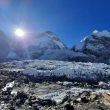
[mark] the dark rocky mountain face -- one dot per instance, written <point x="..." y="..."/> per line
<point x="97" y="44"/>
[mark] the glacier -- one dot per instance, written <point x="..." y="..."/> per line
<point x="76" y="71"/>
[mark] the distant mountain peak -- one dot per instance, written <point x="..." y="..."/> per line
<point x="103" y="33"/>
<point x="95" y="31"/>
<point x="49" y="34"/>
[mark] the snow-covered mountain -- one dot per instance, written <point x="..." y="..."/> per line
<point x="45" y="40"/>
<point x="48" y="46"/>
<point x="97" y="44"/>
<point x="34" y="46"/>
<point x="45" y="46"/>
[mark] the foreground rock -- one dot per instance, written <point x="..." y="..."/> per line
<point x="20" y="94"/>
<point x="54" y="85"/>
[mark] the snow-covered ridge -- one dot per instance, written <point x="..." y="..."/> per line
<point x="104" y="33"/>
<point x="95" y="33"/>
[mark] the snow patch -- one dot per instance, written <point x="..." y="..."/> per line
<point x="9" y="85"/>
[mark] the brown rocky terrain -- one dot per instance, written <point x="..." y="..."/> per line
<point x="20" y="92"/>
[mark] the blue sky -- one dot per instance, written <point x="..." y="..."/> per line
<point x="71" y="20"/>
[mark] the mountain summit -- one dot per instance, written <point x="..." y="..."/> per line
<point x="46" y="40"/>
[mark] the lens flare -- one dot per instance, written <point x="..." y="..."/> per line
<point x="19" y="33"/>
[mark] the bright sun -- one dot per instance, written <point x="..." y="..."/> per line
<point x="19" y="32"/>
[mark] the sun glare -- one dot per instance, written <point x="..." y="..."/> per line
<point x="19" y="33"/>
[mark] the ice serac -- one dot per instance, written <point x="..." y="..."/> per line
<point x="47" y="70"/>
<point x="97" y="44"/>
